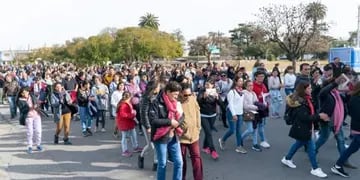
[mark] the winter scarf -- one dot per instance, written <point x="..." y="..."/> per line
<point x="172" y="114"/>
<point x="338" y="111"/>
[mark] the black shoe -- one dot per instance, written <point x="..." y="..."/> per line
<point x="154" y="168"/>
<point x="67" y="142"/>
<point x="226" y="126"/>
<point x="141" y="133"/>
<point x="256" y="148"/>
<point x="349" y="165"/>
<point x="339" y="171"/>
<point x="89" y="131"/>
<point x="141" y="162"/>
<point x="56" y="139"/>
<point x="85" y="134"/>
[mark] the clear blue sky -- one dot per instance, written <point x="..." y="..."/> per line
<point x="47" y="22"/>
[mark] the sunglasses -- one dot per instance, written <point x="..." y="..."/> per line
<point x="187" y="95"/>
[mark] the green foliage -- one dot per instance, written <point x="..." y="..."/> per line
<point x="144" y="43"/>
<point x="149" y="21"/>
<point x="129" y="44"/>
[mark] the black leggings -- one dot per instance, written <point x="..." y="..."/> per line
<point x="207" y="123"/>
<point x="137" y="109"/>
<point x="101" y="118"/>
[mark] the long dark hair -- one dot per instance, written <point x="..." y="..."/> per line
<point x="150" y="87"/>
<point x="233" y="86"/>
<point x="19" y="94"/>
<point x="300" y="89"/>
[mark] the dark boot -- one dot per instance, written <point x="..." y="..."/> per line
<point x="89" y="131"/>
<point x="154" y="168"/>
<point x="141" y="162"/>
<point x="56" y="139"/>
<point x="67" y="141"/>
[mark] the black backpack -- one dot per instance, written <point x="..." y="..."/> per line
<point x="289" y="115"/>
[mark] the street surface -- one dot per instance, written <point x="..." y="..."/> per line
<point x="99" y="156"/>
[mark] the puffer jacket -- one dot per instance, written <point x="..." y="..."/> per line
<point x="303" y="122"/>
<point x="158" y="117"/>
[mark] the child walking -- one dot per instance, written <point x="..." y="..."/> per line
<point x="126" y="124"/>
<point x="30" y="118"/>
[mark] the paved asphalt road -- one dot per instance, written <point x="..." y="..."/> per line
<point x="99" y="157"/>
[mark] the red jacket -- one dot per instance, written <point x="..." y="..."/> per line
<point x="259" y="89"/>
<point x="125" y="117"/>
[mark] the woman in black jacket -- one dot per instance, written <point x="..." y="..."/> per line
<point x="207" y="100"/>
<point x="355" y="132"/>
<point x="83" y="99"/>
<point x="152" y="90"/>
<point x="304" y="115"/>
<point x="165" y="115"/>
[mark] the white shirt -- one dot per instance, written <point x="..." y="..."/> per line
<point x="249" y="100"/>
<point x="289" y="80"/>
<point x="115" y="98"/>
<point x="236" y="102"/>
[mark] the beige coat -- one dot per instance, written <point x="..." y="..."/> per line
<point x="192" y="122"/>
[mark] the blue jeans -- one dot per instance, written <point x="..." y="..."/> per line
<point x="289" y="91"/>
<point x="325" y="130"/>
<point x="12" y="105"/>
<point x="132" y="134"/>
<point x="310" y="150"/>
<point x="234" y="126"/>
<point x="260" y="130"/>
<point x="276" y="101"/>
<point x="85" y="118"/>
<point x="354" y="146"/>
<point x="175" y="152"/>
<point x="249" y="131"/>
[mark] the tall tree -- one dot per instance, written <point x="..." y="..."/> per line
<point x="202" y="45"/>
<point x="291" y="27"/>
<point x="150" y="21"/>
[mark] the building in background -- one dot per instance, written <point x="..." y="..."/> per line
<point x="7" y="56"/>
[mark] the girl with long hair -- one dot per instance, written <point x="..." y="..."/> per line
<point x="30" y="117"/>
<point x="151" y="92"/>
<point x="234" y="114"/>
<point x="126" y="124"/>
<point x="115" y="99"/>
<point x="302" y="130"/>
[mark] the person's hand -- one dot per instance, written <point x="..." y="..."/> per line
<point x="148" y="130"/>
<point x="235" y="118"/>
<point x="324" y="117"/>
<point x="340" y="80"/>
<point x="174" y="123"/>
<point x="206" y="94"/>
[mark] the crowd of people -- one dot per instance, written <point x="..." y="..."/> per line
<point x="171" y="104"/>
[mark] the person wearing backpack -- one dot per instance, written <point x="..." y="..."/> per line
<point x="304" y="116"/>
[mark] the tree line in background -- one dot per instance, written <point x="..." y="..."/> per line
<point x="280" y="30"/>
<point x="111" y="44"/>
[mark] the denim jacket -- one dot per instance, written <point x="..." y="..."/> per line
<point x="57" y="104"/>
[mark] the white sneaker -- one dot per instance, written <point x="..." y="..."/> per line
<point x="288" y="163"/>
<point x="319" y="173"/>
<point x="346" y="146"/>
<point x="265" y="145"/>
<point x="103" y="130"/>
